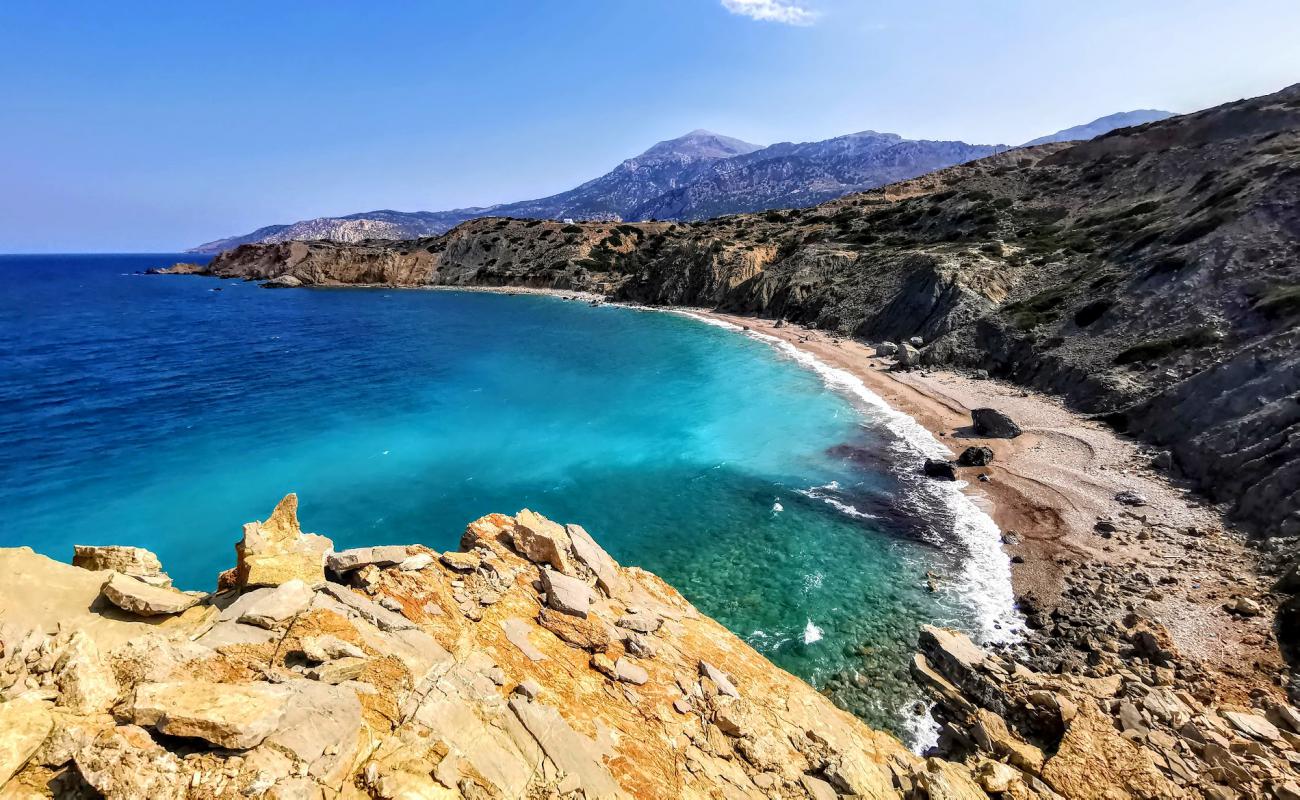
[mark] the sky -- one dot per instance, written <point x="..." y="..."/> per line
<point x="152" y="127"/>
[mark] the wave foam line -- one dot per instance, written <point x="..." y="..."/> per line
<point x="985" y="582"/>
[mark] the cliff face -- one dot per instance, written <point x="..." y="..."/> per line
<point x="1148" y="275"/>
<point x="527" y="664"/>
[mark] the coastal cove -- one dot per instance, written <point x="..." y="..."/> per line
<point x="780" y="505"/>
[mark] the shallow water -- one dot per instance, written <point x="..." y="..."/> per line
<point x="778" y="496"/>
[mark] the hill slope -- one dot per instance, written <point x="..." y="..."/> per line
<point x="1102" y="125"/>
<point x="1148" y="275"/>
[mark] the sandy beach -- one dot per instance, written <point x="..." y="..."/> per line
<point x="1048" y="489"/>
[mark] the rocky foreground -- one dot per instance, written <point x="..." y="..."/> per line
<point x="530" y="664"/>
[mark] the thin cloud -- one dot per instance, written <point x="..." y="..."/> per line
<point x="783" y="11"/>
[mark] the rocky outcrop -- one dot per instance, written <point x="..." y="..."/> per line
<point x="1139" y="722"/>
<point x="528" y="664"/>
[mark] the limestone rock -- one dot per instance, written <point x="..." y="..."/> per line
<point x="124" y="762"/>
<point x="629" y="672"/>
<point x="416" y="562"/>
<point x="577" y="631"/>
<point x="571" y="752"/>
<point x="235" y="716"/>
<point x="24" y="724"/>
<point x="541" y="541"/>
<point x="460" y="562"/>
<point x="338" y="670"/>
<point x="282" y="282"/>
<point x="994" y="424"/>
<point x="138" y="597"/>
<point x="327" y="648"/>
<point x="908" y="357"/>
<point x="719" y="678"/>
<point x="86" y="684"/>
<point x="134" y="561"/>
<point x="594" y="557"/>
<point x="566" y="594"/>
<point x="279" y="606"/>
<point x="384" y="556"/>
<point x="276" y="551"/>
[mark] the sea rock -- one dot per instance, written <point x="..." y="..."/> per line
<point x="994" y="424"/>
<point x="277" y="551"/>
<point x="282" y="282"/>
<point x="234" y="716"/>
<point x="975" y="457"/>
<point x="566" y="594"/>
<point x="384" y="556"/>
<point x="138" y="597"/>
<point x="134" y="561"/>
<point x="24" y="724"/>
<point x="940" y="468"/>
<point x="279" y="606"/>
<point x="541" y="541"/>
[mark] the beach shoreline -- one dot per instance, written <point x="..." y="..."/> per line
<point x="1052" y="492"/>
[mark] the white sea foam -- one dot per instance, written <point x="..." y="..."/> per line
<point x="777" y="508"/>
<point x="984" y="585"/>
<point x="811" y="633"/>
<point x="815" y="493"/>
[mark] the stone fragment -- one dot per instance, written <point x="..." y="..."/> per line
<point x="951" y="652"/>
<point x="235" y="716"/>
<point x="541" y="541"/>
<point x="993" y="424"/>
<point x="1253" y="725"/>
<point x="136" y="596"/>
<point x="1129" y="497"/>
<point x="1245" y="606"/>
<point x="416" y="562"/>
<point x="369" y="610"/>
<point x="460" y="562"/>
<point x="566" y="594"/>
<point x="134" y="561"/>
<point x="24" y="724"/>
<point x="886" y="349"/>
<point x="594" y="557"/>
<point x="719" y="678"/>
<point x="628" y="672"/>
<point x="817" y="788"/>
<point x="584" y="633"/>
<point x="975" y="457"/>
<point x="86" y="684"/>
<point x="529" y="688"/>
<point x="642" y="622"/>
<point x="995" y="777"/>
<point x="572" y="753"/>
<point x="345" y="561"/>
<point x="517" y="631"/>
<point x="277" y="550"/>
<point x="278" y="607"/>
<point x="338" y="670"/>
<point x="327" y="648"/>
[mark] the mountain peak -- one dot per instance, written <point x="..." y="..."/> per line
<point x="700" y="143"/>
<point x="1106" y="124"/>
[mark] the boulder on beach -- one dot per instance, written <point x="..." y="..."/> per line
<point x="908" y="357"/>
<point x="940" y="468"/>
<point x="885" y="349"/>
<point x="994" y="424"/>
<point x="975" y="457"/>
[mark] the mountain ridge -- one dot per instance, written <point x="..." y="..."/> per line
<point x="694" y="176"/>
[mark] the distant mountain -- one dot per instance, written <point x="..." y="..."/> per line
<point x="1106" y="124"/>
<point x="696" y="176"/>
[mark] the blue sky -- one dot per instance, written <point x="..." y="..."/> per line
<point x="154" y="126"/>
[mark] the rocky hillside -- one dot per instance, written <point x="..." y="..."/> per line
<point x="1102" y="126"/>
<point x="1149" y="276"/>
<point x="527" y="664"/>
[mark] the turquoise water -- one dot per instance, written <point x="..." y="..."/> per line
<point x="161" y="412"/>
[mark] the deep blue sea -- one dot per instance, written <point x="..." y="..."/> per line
<point x="780" y="497"/>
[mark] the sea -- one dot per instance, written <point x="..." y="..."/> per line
<point x="779" y="495"/>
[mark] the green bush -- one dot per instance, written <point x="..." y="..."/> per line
<point x="571" y="229"/>
<point x="1159" y="348"/>
<point x="1280" y="301"/>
